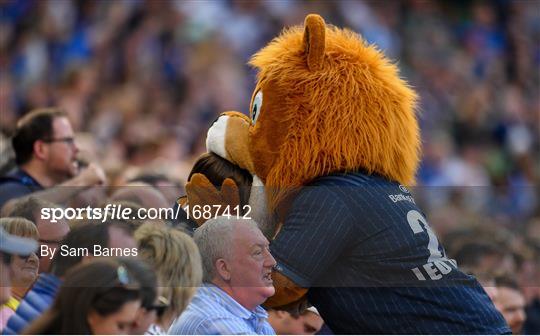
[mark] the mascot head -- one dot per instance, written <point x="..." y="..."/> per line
<point x="327" y="101"/>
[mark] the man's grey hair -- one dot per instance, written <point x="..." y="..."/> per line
<point x="215" y="240"/>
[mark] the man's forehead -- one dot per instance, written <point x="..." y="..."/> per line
<point x="510" y="296"/>
<point x="62" y="126"/>
<point x="249" y="235"/>
<point x="49" y="230"/>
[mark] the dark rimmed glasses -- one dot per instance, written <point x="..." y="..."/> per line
<point x="68" y="140"/>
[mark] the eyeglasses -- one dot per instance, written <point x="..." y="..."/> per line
<point x="159" y="307"/>
<point x="67" y="140"/>
<point x="7" y="258"/>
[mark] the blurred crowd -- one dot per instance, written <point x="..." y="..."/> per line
<point x="145" y="78"/>
<point x="141" y="81"/>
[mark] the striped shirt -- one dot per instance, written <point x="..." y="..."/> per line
<point x="214" y="312"/>
<point x="374" y="265"/>
<point x="155" y="329"/>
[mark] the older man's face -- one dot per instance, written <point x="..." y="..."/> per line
<point x="251" y="267"/>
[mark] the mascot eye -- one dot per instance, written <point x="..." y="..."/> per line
<point x="257" y="104"/>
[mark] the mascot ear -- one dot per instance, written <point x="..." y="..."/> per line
<point x="314" y="41"/>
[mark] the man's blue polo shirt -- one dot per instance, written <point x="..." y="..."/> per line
<point x="373" y="265"/>
<point x="17" y="184"/>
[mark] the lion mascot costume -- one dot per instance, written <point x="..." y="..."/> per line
<point x="333" y="138"/>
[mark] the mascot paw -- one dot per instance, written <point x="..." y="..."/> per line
<point x="201" y="193"/>
<point x="289" y="296"/>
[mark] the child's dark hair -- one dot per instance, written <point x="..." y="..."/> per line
<point x="217" y="169"/>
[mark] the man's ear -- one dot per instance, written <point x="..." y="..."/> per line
<point x="222" y="268"/>
<point x="40" y="150"/>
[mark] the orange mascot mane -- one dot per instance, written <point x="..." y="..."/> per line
<point x="331" y="103"/>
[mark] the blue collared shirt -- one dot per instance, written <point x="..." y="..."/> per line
<point x="214" y="312"/>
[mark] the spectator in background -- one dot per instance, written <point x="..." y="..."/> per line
<point x="46" y="157"/>
<point x="177" y="262"/>
<point x="169" y="188"/>
<point x="140" y="193"/>
<point x="531" y="288"/>
<point x="100" y="297"/>
<point x="151" y="306"/>
<point x="532" y="312"/>
<point x="237" y="268"/>
<point x="24" y="270"/>
<point x="511" y="303"/>
<point x="11" y="245"/>
<point x="481" y="259"/>
<point x="285" y="323"/>
<point x="50" y="234"/>
<point x="42" y="293"/>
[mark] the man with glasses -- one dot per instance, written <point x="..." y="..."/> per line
<point x="46" y="157"/>
<point x="11" y="245"/>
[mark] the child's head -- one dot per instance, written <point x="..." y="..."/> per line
<point x="217" y="169"/>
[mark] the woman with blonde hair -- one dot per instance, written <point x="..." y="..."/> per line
<point x="24" y="270"/>
<point x="177" y="262"/>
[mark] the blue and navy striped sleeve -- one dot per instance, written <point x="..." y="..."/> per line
<point x="316" y="231"/>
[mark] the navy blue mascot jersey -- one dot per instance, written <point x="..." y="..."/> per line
<point x="373" y="264"/>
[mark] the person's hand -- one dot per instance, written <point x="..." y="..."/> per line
<point x="92" y="175"/>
